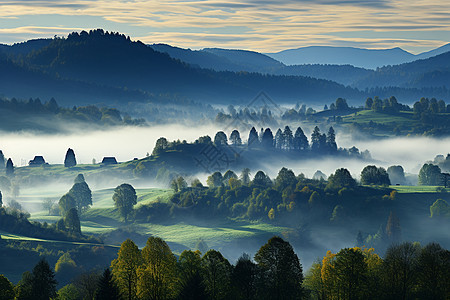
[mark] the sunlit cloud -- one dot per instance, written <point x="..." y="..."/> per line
<point x="262" y="25"/>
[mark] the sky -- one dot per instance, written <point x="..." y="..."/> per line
<point x="259" y="25"/>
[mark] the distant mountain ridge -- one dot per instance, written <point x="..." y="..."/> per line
<point x="358" y="57"/>
<point x="102" y="67"/>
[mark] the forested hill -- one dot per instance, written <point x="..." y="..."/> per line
<point x="107" y="68"/>
<point x="114" y="60"/>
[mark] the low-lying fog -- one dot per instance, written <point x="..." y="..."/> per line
<point x="127" y="143"/>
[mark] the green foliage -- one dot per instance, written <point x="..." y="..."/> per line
<point x="124" y="199"/>
<point x="125" y="269"/>
<point x="107" y="288"/>
<point x="280" y="270"/>
<point x="72" y="221"/>
<point x="244" y="278"/>
<point x="66" y="203"/>
<point x="6" y="288"/>
<point x="157" y="274"/>
<point x="341" y="178"/>
<point x="371" y="175"/>
<point x="68" y="292"/>
<point x="43" y="283"/>
<point x="82" y="195"/>
<point x="216" y="271"/>
<point x="430" y="174"/>
<point x="440" y="209"/>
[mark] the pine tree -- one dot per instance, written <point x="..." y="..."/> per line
<point x="253" y="140"/>
<point x="288" y="138"/>
<point x="9" y="168"/>
<point x="279" y="139"/>
<point x="107" y="288"/>
<point x="331" y="140"/>
<point x="300" y="140"/>
<point x="43" y="285"/>
<point x="70" y="160"/>
<point x="2" y="160"/>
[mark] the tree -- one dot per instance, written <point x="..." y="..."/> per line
<point x="161" y="145"/>
<point x="393" y="229"/>
<point x="396" y="175"/>
<point x="253" y="140"/>
<point x="72" y="221"/>
<point x="82" y="195"/>
<point x="244" y="277"/>
<point x="341" y="178"/>
<point x="66" y="203"/>
<point x="400" y="270"/>
<point x="157" y="274"/>
<point x="124" y="199"/>
<point x="369" y="103"/>
<point x="280" y="271"/>
<point x="24" y="288"/>
<point x="440" y="209"/>
<point x="267" y="139"/>
<point x="341" y="104"/>
<point x="371" y="175"/>
<point x="430" y="174"/>
<point x="245" y="176"/>
<point x="433" y="272"/>
<point x="261" y="179"/>
<point x="331" y="140"/>
<point x="43" y="284"/>
<point x="2" y="160"/>
<point x="215" y="180"/>
<point x="9" y="168"/>
<point x="351" y="273"/>
<point x="220" y="139"/>
<point x="6" y="288"/>
<point x="1" y="199"/>
<point x="65" y="268"/>
<point x="285" y="178"/>
<point x="279" y="139"/>
<point x="178" y="184"/>
<point x="124" y="269"/>
<point x="70" y="160"/>
<point x="216" y="271"/>
<point x="235" y="138"/>
<point x="288" y="138"/>
<point x="68" y="292"/>
<point x="300" y="140"/>
<point x="190" y="280"/>
<point x="86" y="284"/>
<point x="315" y="139"/>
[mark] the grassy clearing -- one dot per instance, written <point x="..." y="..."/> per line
<point x="365" y="116"/>
<point x="215" y="235"/>
<point x="404" y="189"/>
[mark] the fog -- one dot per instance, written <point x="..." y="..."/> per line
<point x="126" y="143"/>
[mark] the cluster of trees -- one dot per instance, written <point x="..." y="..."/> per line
<point x="285" y="199"/>
<point x="248" y="115"/>
<point x="90" y="113"/>
<point x="408" y="271"/>
<point x="285" y="140"/>
<point x="430" y="106"/>
<point x="431" y="174"/>
<point x="387" y="105"/>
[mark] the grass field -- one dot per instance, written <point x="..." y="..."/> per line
<point x="404" y="189"/>
<point x="365" y="116"/>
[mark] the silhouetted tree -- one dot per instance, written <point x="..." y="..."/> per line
<point x="82" y="194"/>
<point x="331" y="140"/>
<point x="9" y="168"/>
<point x="161" y="145"/>
<point x="341" y="178"/>
<point x="288" y="138"/>
<point x="2" y="160"/>
<point x="235" y="138"/>
<point x="253" y="140"/>
<point x="72" y="221"/>
<point x="280" y="271"/>
<point x="393" y="229"/>
<point x="216" y="271"/>
<point x="244" y="278"/>
<point x="106" y="287"/>
<point x="279" y="139"/>
<point x="430" y="174"/>
<point x="124" y="199"/>
<point x="70" y="160"/>
<point x="43" y="285"/>
<point x="267" y="139"/>
<point x="300" y="140"/>
<point x="371" y="175"/>
<point x="220" y="139"/>
<point x="6" y="289"/>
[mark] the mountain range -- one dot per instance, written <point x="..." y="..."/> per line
<point x="102" y="67"/>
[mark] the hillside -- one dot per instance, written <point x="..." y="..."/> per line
<point x="430" y="72"/>
<point x="363" y="58"/>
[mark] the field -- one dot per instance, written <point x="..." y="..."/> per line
<point x="405" y="189"/>
<point x="365" y="116"/>
<point x="102" y="217"/>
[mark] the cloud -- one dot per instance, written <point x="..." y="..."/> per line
<point x="262" y="25"/>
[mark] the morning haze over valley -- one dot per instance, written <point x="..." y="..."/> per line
<point x="224" y="149"/>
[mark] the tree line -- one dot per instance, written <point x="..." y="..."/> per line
<point x="407" y="271"/>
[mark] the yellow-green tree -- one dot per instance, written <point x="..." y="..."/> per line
<point x="329" y="278"/>
<point x="6" y="288"/>
<point x="125" y="269"/>
<point x="313" y="281"/>
<point x="157" y="274"/>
